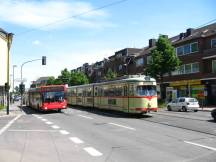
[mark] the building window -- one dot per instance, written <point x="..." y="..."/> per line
<point x="120" y="67"/>
<point x="149" y="59"/>
<point x="213" y="43"/>
<point x="194" y="47"/>
<point x="187" y="68"/>
<point x="140" y="62"/>
<point x="182" y="69"/>
<point x="214" y="66"/>
<point x="187" y="49"/>
<point x="180" y="51"/>
<point x="195" y="67"/>
<point x="99" y="73"/>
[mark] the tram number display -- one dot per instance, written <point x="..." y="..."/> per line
<point x="112" y="101"/>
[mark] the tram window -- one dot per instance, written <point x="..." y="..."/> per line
<point x="131" y="90"/>
<point x="146" y="90"/>
<point x="125" y="91"/>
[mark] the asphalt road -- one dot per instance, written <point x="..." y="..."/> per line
<point x="81" y="134"/>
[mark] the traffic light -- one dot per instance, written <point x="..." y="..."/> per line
<point x="43" y="60"/>
<point x="22" y="88"/>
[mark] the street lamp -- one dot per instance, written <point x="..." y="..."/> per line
<point x="22" y="86"/>
<point x="9" y="42"/>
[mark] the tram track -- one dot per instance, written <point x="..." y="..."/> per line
<point x="167" y="123"/>
<point x="178" y="116"/>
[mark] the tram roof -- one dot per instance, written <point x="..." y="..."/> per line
<point x="130" y="78"/>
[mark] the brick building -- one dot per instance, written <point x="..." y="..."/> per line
<point x="196" y="77"/>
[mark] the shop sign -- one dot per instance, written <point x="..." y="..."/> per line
<point x="185" y="82"/>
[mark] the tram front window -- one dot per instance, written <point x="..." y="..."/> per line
<point x="146" y="90"/>
<point x="53" y="96"/>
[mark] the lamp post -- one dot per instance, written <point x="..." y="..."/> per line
<point x="22" y="85"/>
<point x="14" y="66"/>
<point x="9" y="42"/>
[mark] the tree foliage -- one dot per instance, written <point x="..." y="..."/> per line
<point x="110" y="74"/>
<point x="69" y="78"/>
<point x="78" y="78"/>
<point x="164" y="59"/>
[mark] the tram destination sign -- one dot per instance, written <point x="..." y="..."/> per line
<point x="52" y="89"/>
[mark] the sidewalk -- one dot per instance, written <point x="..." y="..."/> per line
<point x="13" y="110"/>
<point x="206" y="109"/>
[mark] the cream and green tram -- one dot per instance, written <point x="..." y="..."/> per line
<point x="135" y="94"/>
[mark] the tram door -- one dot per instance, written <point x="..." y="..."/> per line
<point x="125" y="99"/>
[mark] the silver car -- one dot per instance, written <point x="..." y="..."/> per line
<point x="183" y="104"/>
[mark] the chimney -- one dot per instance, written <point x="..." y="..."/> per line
<point x="181" y="35"/>
<point x="189" y="31"/>
<point x="152" y="42"/>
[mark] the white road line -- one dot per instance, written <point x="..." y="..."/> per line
<point x="122" y="126"/>
<point x="196" y="144"/>
<point x="9" y="124"/>
<point x="87" y="117"/>
<point x="39" y="117"/>
<point x="76" y="140"/>
<point x="48" y="122"/>
<point x="64" y="132"/>
<point x="55" y="126"/>
<point x="44" y="119"/>
<point x="26" y="130"/>
<point x="92" y="151"/>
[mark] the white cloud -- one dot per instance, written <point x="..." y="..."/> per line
<point x="34" y="14"/>
<point x="36" y="42"/>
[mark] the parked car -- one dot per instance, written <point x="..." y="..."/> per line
<point x="213" y="113"/>
<point x="17" y="98"/>
<point x="183" y="104"/>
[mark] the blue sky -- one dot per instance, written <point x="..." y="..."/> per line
<point x="91" y="37"/>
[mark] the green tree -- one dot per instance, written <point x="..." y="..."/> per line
<point x="164" y="60"/>
<point x="65" y="77"/>
<point x="51" y="81"/>
<point x="110" y="74"/>
<point x="78" y="78"/>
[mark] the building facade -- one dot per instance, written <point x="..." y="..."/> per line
<point x="3" y="64"/>
<point x="196" y="77"/>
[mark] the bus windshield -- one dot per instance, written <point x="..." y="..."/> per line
<point x="146" y="90"/>
<point x="53" y="96"/>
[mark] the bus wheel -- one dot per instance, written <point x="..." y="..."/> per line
<point x="59" y="110"/>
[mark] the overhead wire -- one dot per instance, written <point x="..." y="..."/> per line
<point x="74" y="16"/>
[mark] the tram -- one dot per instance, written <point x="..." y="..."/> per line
<point x="134" y="94"/>
<point x="46" y="98"/>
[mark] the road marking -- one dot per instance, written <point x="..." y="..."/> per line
<point x="64" y="132"/>
<point x="55" y="126"/>
<point x="196" y="144"/>
<point x="39" y="117"/>
<point x="29" y="130"/>
<point x="76" y="140"/>
<point x="44" y="119"/>
<point x="92" y="151"/>
<point x="9" y="124"/>
<point x="87" y="117"/>
<point x="48" y="122"/>
<point x="122" y="126"/>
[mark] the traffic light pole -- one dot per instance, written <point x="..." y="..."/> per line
<point x="21" y="104"/>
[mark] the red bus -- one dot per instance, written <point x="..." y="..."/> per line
<point x="46" y="98"/>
